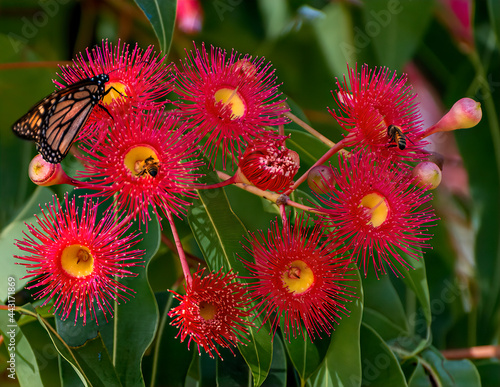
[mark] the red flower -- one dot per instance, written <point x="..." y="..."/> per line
<point x="137" y="78"/>
<point x="77" y="257"/>
<point x="375" y="101"/>
<point x="267" y="165"/>
<point x="299" y="278"/>
<point x="213" y="311"/>
<point x="230" y="101"/>
<point x="374" y="208"/>
<point x="145" y="161"/>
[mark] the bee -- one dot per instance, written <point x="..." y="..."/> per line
<point x="397" y="135"/>
<point x="150" y="167"/>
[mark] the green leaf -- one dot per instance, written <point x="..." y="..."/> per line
<point x="334" y="33"/>
<point x="419" y="378"/>
<point x="218" y="232"/>
<point x="14" y="231"/>
<point x="456" y="373"/>
<point x="278" y="371"/>
<point x="161" y="15"/>
<point x="383" y="309"/>
<point x="18" y="347"/>
<point x="138" y="317"/>
<point x="309" y="148"/>
<point x="342" y="363"/>
<point x="396" y="29"/>
<point x="380" y="366"/>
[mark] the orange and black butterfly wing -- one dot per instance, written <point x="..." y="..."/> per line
<point x="55" y="122"/>
<point x="66" y="117"/>
<point x="28" y="126"/>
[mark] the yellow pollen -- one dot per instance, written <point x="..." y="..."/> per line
<point x="77" y="261"/>
<point x="207" y="310"/>
<point x="232" y="99"/>
<point x="114" y="91"/>
<point x="298" y="277"/>
<point x="135" y="157"/>
<point x="377" y="208"/>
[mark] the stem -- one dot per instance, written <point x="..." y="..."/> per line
<point x="180" y="250"/>
<point x="338" y="146"/>
<point x="284" y="218"/>
<point x="481" y="352"/>
<point x="310" y="129"/>
<point x="172" y="246"/>
<point x="225" y="182"/>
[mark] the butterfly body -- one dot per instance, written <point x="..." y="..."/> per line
<point x="55" y="122"/>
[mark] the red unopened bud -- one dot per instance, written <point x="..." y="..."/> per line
<point x="320" y="178"/>
<point x="465" y="113"/>
<point x="428" y="175"/>
<point x="46" y="174"/>
<point x="267" y="165"/>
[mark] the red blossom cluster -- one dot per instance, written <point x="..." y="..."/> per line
<point x="144" y="153"/>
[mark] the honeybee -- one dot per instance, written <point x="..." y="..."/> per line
<point x="150" y="167"/>
<point x="397" y="135"/>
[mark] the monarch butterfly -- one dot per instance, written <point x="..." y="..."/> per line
<point x="55" y="121"/>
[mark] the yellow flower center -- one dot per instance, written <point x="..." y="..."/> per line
<point x="77" y="261"/>
<point x="232" y="99"/>
<point x="376" y="207"/>
<point x="140" y="160"/>
<point x="207" y="310"/>
<point x="114" y="91"/>
<point x="298" y="277"/>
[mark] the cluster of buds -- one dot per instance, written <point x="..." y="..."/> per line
<point x="372" y="204"/>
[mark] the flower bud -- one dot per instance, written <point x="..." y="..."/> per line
<point x="268" y="166"/>
<point x="46" y="174"/>
<point x="465" y="113"/>
<point x="427" y="174"/>
<point x="320" y="178"/>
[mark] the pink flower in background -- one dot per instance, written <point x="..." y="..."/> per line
<point x="457" y="15"/>
<point x="189" y="16"/>
<point x="75" y="258"/>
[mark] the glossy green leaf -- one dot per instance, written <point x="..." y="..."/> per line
<point x="138" y="317"/>
<point x="395" y="28"/>
<point x="14" y="231"/>
<point x="342" y="363"/>
<point x="419" y="378"/>
<point x="278" y="372"/>
<point x="219" y="232"/>
<point x="383" y="308"/>
<point x="459" y="373"/>
<point x="161" y="15"/>
<point x="380" y="366"/>
<point x="334" y="33"/>
<point x="171" y="358"/>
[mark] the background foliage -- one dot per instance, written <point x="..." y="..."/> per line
<point x="397" y="327"/>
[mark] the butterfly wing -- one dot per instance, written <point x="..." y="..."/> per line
<point x="65" y="118"/>
<point x="28" y="126"/>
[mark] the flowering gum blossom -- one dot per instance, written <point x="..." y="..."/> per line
<point x="232" y="99"/>
<point x="114" y="90"/>
<point x="378" y="208"/>
<point x="77" y="261"/>
<point x="298" y="278"/>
